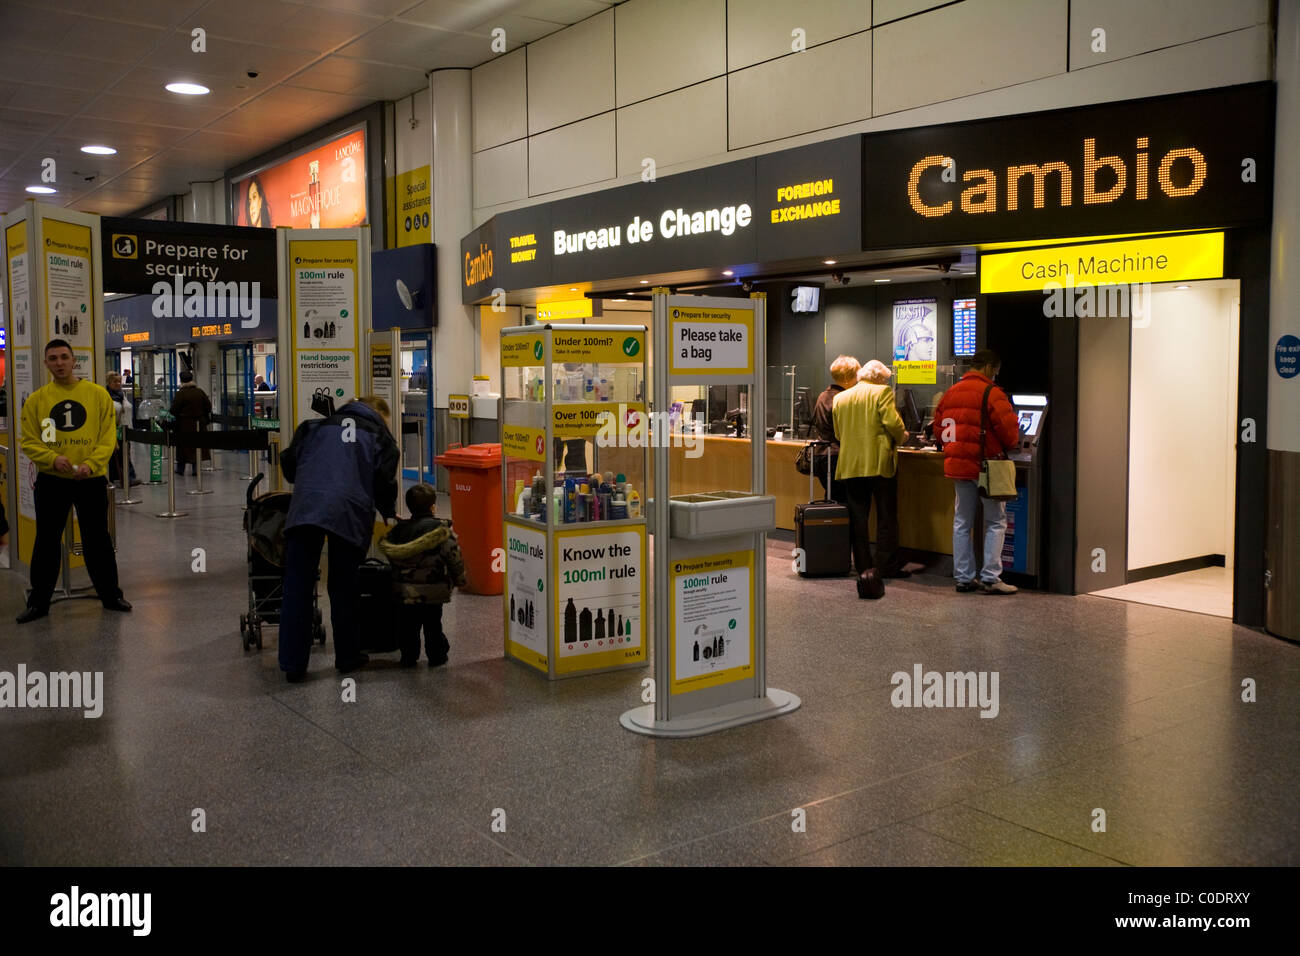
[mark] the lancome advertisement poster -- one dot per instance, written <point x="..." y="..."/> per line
<point x="322" y="188"/>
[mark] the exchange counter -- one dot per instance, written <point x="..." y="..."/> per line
<point x="925" y="496"/>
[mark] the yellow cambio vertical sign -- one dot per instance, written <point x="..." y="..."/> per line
<point x="413" y="206"/>
<point x="324" y="284"/>
<point x="1133" y="261"/>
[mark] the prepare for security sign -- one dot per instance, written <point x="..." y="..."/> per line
<point x="711" y="341"/>
<point x="712" y="620"/>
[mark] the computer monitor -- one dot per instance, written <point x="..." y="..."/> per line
<point x="911" y="414"/>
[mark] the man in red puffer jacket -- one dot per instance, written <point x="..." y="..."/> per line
<point x="957" y="429"/>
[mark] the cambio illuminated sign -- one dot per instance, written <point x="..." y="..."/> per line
<point x="673" y="224"/>
<point x="981" y="196"/>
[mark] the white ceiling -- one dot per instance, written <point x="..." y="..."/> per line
<point x="76" y="72"/>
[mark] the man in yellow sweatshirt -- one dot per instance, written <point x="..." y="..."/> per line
<point x="69" y="431"/>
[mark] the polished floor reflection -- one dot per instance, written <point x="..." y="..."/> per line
<point x="1121" y="736"/>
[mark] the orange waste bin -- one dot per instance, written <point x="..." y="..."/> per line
<point x="476" y="510"/>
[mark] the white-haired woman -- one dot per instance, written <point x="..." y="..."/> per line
<point x="844" y="375"/>
<point x="870" y="429"/>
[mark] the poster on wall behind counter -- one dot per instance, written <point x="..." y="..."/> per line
<point x="69" y="285"/>
<point x="525" y="598"/>
<point x="712" y="599"/>
<point x="599" y="594"/>
<point x="916" y="341"/>
<point x="323" y="188"/>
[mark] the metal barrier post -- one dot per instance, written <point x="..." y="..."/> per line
<point x="198" y="471"/>
<point x="273" y="460"/>
<point x="419" y="436"/>
<point x="126" y="472"/>
<point x="171" y="511"/>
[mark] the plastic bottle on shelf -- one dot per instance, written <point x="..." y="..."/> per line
<point x="633" y="503"/>
<point x="519" y="497"/>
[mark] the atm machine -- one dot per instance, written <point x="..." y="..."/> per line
<point x="1021" y="550"/>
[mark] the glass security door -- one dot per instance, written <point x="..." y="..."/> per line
<point x="417" y="401"/>
<point x="237" y="382"/>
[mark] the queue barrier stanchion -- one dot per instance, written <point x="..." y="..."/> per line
<point x="419" y="442"/>
<point x="171" y="511"/>
<point x="126" y="472"/>
<point x="198" y="469"/>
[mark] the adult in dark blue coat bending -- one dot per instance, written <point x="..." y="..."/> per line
<point x="343" y="469"/>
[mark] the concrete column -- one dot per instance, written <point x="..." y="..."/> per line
<point x="1282" y="574"/>
<point x="201" y="203"/>
<point x="455" y="346"/>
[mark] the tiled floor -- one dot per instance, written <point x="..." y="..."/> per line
<point x="1204" y="591"/>
<point x="1103" y="706"/>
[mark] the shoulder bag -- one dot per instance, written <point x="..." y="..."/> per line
<point x="997" y="475"/>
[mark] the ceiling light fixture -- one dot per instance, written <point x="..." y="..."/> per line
<point x="99" y="150"/>
<point x="187" y="89"/>
<point x="830" y="262"/>
<point x="645" y="281"/>
<point x="41" y="190"/>
<point x="1179" y="287"/>
<point x="573" y="288"/>
<point x="881" y="280"/>
<point x="728" y="272"/>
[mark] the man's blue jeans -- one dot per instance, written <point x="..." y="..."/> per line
<point x="995" y="529"/>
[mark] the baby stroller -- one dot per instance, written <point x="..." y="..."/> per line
<point x="264" y="524"/>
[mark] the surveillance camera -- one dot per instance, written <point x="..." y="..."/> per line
<point x="840" y="278"/>
<point x="747" y="286"/>
<point x="252" y="74"/>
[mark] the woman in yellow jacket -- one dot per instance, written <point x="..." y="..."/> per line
<point x="869" y="430"/>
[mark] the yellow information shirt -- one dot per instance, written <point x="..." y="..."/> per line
<point x="78" y="422"/>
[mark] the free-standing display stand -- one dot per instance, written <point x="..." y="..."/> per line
<point x="573" y="421"/>
<point x="710" y="565"/>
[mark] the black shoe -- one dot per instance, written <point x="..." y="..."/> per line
<point x="438" y="661"/>
<point x="358" y="662"/>
<point x="117" y="604"/>
<point x="295" y="677"/>
<point x="408" y="662"/>
<point x="966" y="587"/>
<point x="31" y="614"/>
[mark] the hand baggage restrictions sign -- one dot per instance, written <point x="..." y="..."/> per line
<point x="711" y="341"/>
<point x="599" y="594"/>
<point x="712" y="639"/>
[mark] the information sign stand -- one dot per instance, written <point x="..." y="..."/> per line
<point x="710" y="564"/>
<point x="572" y="424"/>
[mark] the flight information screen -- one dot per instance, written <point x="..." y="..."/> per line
<point x="963" y="327"/>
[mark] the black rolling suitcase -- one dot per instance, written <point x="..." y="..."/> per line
<point x="377" y="607"/>
<point x="821" y="531"/>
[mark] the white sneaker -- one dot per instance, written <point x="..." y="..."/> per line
<point x="999" y="587"/>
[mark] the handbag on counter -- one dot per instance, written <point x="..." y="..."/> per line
<point x="997" y="479"/>
<point x="803" y="461"/>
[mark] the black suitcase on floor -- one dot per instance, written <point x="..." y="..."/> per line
<point x="377" y="608"/>
<point x="821" y="531"/>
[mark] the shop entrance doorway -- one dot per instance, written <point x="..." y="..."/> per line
<point x="1183" y="431"/>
